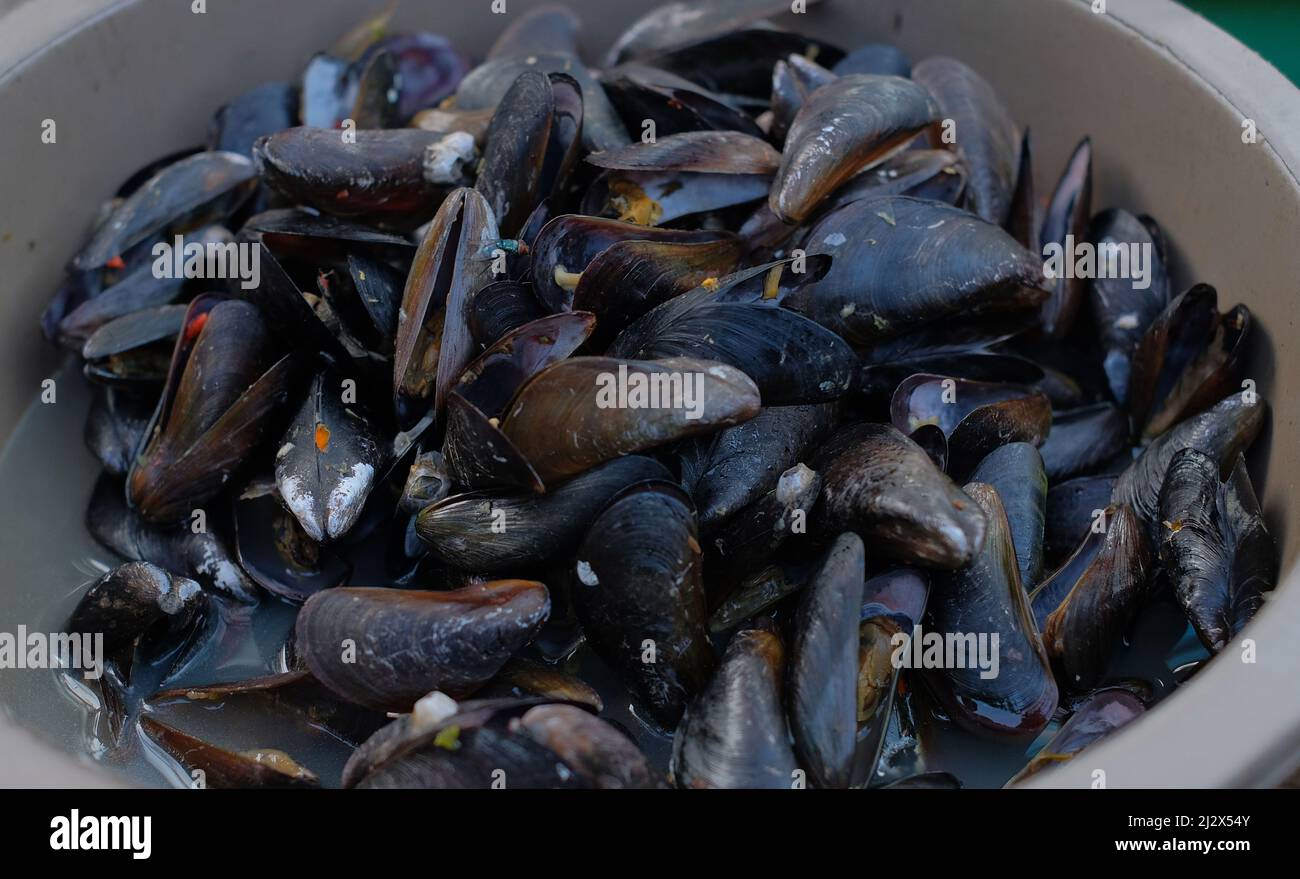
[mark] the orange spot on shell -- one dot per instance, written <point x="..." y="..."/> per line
<point x="116" y="263"/>
<point x="322" y="437"/>
<point x="195" y="326"/>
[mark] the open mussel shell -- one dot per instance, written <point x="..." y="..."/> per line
<point x="899" y="263"/>
<point x="985" y="135"/>
<point x="1222" y="432"/>
<point x="734" y="733"/>
<point x="221" y="769"/>
<point x="756" y="594"/>
<point x="1082" y="632"/>
<point x="1104" y="712"/>
<point x="1066" y="222"/>
<point x="328" y="461"/>
<point x="744" y="462"/>
<point x="485" y="533"/>
<point x="1189" y="357"/>
<point x="203" y="555"/>
<point x="1016" y="472"/>
<point x="275" y="550"/>
<point x="790" y="358"/>
<point x="1048" y="595"/>
<point x="137" y="600"/>
<point x="883" y="373"/>
<point x="704" y="152"/>
<point x="193" y="192"/>
<point x="1084" y="439"/>
<point x="673" y="104"/>
<point x="823" y="676"/>
<point x="879" y="483"/>
<point x="115" y="425"/>
<point x="385" y="648"/>
<point x="568" y="244"/>
<point x="321" y="239"/>
<point x="845" y="126"/>
<point x="655" y="198"/>
<point x="639" y="595"/>
<point x="434" y="343"/>
<point x="1124" y="303"/>
<point x="1214" y="545"/>
<point x="374" y="173"/>
<point x="477" y="453"/>
<point x="572" y="415"/>
<point x="629" y="278"/>
<point x="223" y="391"/>
<point x="531" y="145"/>
<point x="976" y="417"/>
<point x="1017" y="699"/>
<point x="134" y="349"/>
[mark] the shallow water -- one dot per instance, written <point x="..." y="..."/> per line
<point x="49" y="559"/>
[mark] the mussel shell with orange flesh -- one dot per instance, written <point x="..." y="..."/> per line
<point x="1189" y="357"/>
<point x="1016" y="472"/>
<point x="1081" y="634"/>
<point x="567" y="418"/>
<point x="223" y="389"/>
<point x="434" y="343"/>
<point x="1066" y="220"/>
<point x="986" y="598"/>
<point x="532" y="528"/>
<point x="385" y="648"/>
<point x="734" y="733"/>
<point x="985" y="134"/>
<point x="976" y="417"/>
<point x="328" y="461"/>
<point x="638" y="589"/>
<point x="823" y="675"/>
<point x="900" y="263"/>
<point x="379" y="174"/>
<point x="844" y="127"/>
<point x="879" y="483"/>
<point x="1215" y="546"/>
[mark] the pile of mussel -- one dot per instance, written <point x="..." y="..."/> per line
<point x="892" y="416"/>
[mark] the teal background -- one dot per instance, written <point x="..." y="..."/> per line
<point x="1270" y="27"/>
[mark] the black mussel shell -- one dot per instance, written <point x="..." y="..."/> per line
<point x="487" y="533"/>
<point x="734" y="733"/>
<point x="1215" y="546"/>
<point x="262" y="110"/>
<point x="134" y="349"/>
<point x="1023" y="221"/>
<point x="136" y="291"/>
<point x="115" y="426"/>
<point x="385" y="648"/>
<point x="984" y="134"/>
<point x="501" y="307"/>
<point x="603" y="757"/>
<point x="1084" y="439"/>
<point x="744" y="462"/>
<point x="1066" y="221"/>
<point x="1016" y="472"/>
<point x="1083" y="631"/>
<point x="1047" y="596"/>
<point x="524" y="678"/>
<point x="879" y="483"/>
<point x="823" y="674"/>
<point x="648" y="96"/>
<point x="740" y="62"/>
<point x="568" y="418"/>
<point x="757" y="594"/>
<point x="847" y="125"/>
<point x="899" y="263"/>
<point x="1072" y="507"/>
<point x="277" y="553"/>
<point x="639" y="595"/>
<point x="671" y="25"/>
<point x="134" y="600"/>
<point x="224" y="389"/>
<point x="1017" y="699"/>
